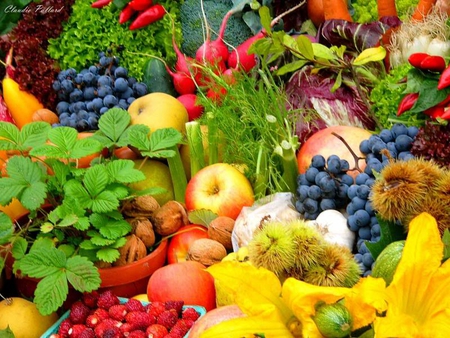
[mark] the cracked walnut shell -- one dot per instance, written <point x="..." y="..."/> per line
<point x="169" y="218"/>
<point x="206" y="251"/>
<point x="140" y="206"/>
<point x="133" y="250"/>
<point x="143" y="228"/>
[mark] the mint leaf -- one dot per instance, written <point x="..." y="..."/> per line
<point x="114" y="122"/>
<point x="123" y="171"/>
<point x="115" y="229"/>
<point x="51" y="292"/>
<point x="104" y="202"/>
<point x="34" y="134"/>
<point x="108" y="255"/>
<point x="82" y="274"/>
<point x="39" y="264"/>
<point x="6" y="228"/>
<point x="96" y="179"/>
<point x="85" y="147"/>
<point x="164" y="138"/>
<point x="390" y="232"/>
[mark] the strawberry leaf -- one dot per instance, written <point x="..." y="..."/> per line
<point x="123" y="171"/>
<point x="6" y="228"/>
<point x="82" y="274"/>
<point x="108" y="255"/>
<point x="51" y="292"/>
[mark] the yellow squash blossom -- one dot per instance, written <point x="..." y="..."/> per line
<point x="418" y="298"/>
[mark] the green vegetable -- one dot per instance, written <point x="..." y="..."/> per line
<point x="333" y="320"/>
<point x="193" y="24"/>
<point x="156" y="77"/>
<point x="386" y="263"/>
<point x="366" y="11"/>
<point x="90" y="31"/>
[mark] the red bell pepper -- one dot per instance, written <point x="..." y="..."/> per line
<point x="415" y="59"/>
<point x="147" y="17"/>
<point x="126" y="14"/>
<point x="140" y="5"/>
<point x="433" y="63"/>
<point x="101" y="3"/>
<point x="407" y="103"/>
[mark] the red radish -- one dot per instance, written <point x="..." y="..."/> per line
<point x="182" y="82"/>
<point x="183" y="64"/>
<point x="189" y="102"/>
<point x="215" y="93"/>
<point x="239" y="57"/>
<point x="214" y="52"/>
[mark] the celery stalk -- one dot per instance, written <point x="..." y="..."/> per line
<point x="261" y="174"/>
<point x="195" y="143"/>
<point x="213" y="138"/>
<point x="178" y="175"/>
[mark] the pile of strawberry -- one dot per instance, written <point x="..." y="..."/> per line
<point x="103" y="315"/>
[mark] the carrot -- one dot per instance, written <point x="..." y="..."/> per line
<point x="422" y="9"/>
<point x="386" y="8"/>
<point x="336" y="10"/>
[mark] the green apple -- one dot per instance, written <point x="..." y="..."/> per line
<point x="157" y="174"/>
<point x="157" y="111"/>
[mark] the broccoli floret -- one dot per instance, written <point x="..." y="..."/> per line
<point x="365" y="11"/>
<point x="193" y="25"/>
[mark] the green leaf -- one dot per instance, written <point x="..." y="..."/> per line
<point x="49" y="151"/>
<point x="115" y="229"/>
<point x="6" y="333"/>
<point x="131" y="130"/>
<point x="2" y="264"/>
<point x="82" y="224"/>
<point x="114" y="122"/>
<point x="10" y="132"/>
<point x="42" y="244"/>
<point x="84" y="147"/>
<point x="305" y="47"/>
<point x="119" y="190"/>
<point x="82" y="274"/>
<point x="63" y="137"/>
<point x="264" y="14"/>
<point x="96" y="179"/>
<point x="104" y="202"/>
<point x="39" y="264"/>
<point x="165" y="138"/>
<point x="108" y="255"/>
<point x="446" y="241"/>
<point x="75" y="190"/>
<point x="123" y="171"/>
<point x="68" y="220"/>
<point x="87" y="245"/>
<point x="139" y="139"/>
<point x="120" y="242"/>
<point x="337" y="82"/>
<point x="34" y="134"/>
<point x="323" y="52"/>
<point x="390" y="232"/>
<point x="370" y="55"/>
<point x="100" y="241"/>
<point x="68" y="249"/>
<point x="429" y="96"/>
<point x="19" y="248"/>
<point x="159" y="154"/>
<point x="51" y="292"/>
<point x="34" y="195"/>
<point x="201" y="216"/>
<point x="6" y="228"/>
<point x="291" y="67"/>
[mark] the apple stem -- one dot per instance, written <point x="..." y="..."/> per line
<point x="178" y="175"/>
<point x="354" y="155"/>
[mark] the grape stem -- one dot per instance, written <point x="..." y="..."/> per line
<point x="354" y="155"/>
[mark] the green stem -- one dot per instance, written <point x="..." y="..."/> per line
<point x="290" y="166"/>
<point x="213" y="138"/>
<point x="262" y="174"/>
<point x="178" y="175"/>
<point x="195" y="144"/>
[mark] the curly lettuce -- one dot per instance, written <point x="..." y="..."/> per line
<point x="366" y="11"/>
<point x="90" y="31"/>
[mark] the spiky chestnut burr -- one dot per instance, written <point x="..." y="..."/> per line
<point x="272" y="248"/>
<point x="336" y="268"/>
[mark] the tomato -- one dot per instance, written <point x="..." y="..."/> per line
<point x="179" y="244"/>
<point x="126" y="153"/>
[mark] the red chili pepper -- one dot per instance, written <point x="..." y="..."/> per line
<point x="446" y="114"/>
<point x="140" y="5"/>
<point x="147" y="17"/>
<point x="444" y="79"/>
<point x="101" y="3"/>
<point x="126" y="14"/>
<point x="433" y="63"/>
<point x="407" y="103"/>
<point x="415" y="59"/>
<point x="435" y="112"/>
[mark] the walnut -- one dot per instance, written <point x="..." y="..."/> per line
<point x="102" y="265"/>
<point x="220" y="229"/>
<point x="143" y="228"/>
<point x="169" y="218"/>
<point x="141" y="206"/>
<point x="133" y="250"/>
<point x="206" y="251"/>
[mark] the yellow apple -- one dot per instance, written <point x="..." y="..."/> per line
<point x="157" y="174"/>
<point x="220" y="188"/>
<point x="157" y="111"/>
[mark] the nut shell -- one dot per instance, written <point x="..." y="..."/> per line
<point x="220" y="229"/>
<point x="169" y="218"/>
<point x="133" y="250"/>
<point x="141" y="206"/>
<point x="206" y="251"/>
<point x="143" y="228"/>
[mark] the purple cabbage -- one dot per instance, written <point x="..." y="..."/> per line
<point x="310" y="95"/>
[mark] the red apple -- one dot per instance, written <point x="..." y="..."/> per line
<point x="187" y="281"/>
<point x="181" y="241"/>
<point x="221" y="188"/>
<point x="323" y="142"/>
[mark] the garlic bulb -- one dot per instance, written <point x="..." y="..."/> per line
<point x="333" y="226"/>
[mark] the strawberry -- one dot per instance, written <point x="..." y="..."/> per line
<point x="102" y="314"/>
<point x="190" y="313"/>
<point x="76" y="330"/>
<point x="126" y="328"/>
<point x="87" y="333"/>
<point x="168" y="318"/>
<point x="107" y="299"/>
<point x="156" y="331"/>
<point x="180" y="328"/>
<point x="64" y="328"/>
<point x="90" y="299"/>
<point x="174" y="304"/>
<point x="134" y="305"/>
<point x="78" y="312"/>
<point x="156" y="308"/>
<point x="104" y="325"/>
<point x="112" y="332"/>
<point x="117" y="312"/>
<point x="139" y="320"/>
<point x="92" y="320"/>
<point x="137" y="334"/>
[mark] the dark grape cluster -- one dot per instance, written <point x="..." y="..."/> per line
<point x="394" y="143"/>
<point x="84" y="96"/>
<point x="323" y="186"/>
